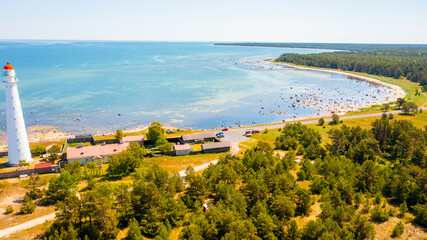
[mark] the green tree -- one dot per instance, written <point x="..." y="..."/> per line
<point x="62" y="187"/>
<point x="23" y="163"/>
<point x="386" y="107"/>
<point x="408" y="107"/>
<point x="321" y="122"/>
<point x="400" y="102"/>
<point x="9" y="209"/>
<point x="303" y="202"/>
<point x="398" y="230"/>
<point x="119" y="135"/>
<point x="283" y="207"/>
<point x="54" y="152"/>
<point x="134" y="232"/>
<point x="38" y="150"/>
<point x="292" y="232"/>
<point x="421" y="214"/>
<point x="27" y="206"/>
<point x="403" y="208"/>
<point x="335" y="119"/>
<point x="156" y="133"/>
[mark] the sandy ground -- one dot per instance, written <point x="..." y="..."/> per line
<point x="26" y="225"/>
<point x="38" y="133"/>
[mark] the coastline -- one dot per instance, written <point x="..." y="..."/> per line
<point x="397" y="90"/>
<point x="44" y="133"/>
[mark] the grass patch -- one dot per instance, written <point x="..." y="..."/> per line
<point x="173" y="164"/>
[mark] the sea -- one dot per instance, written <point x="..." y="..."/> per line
<point x="87" y="87"/>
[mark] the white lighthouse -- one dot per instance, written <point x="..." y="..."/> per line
<point x="17" y="141"/>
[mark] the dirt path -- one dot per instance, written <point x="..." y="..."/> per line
<point x="32" y="223"/>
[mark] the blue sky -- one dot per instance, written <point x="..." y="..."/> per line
<point x="367" y="21"/>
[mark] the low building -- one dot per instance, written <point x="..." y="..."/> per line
<point x="216" y="147"/>
<point x="198" y="137"/>
<point x="183" y="149"/>
<point x="98" y="152"/>
<point x="137" y="139"/>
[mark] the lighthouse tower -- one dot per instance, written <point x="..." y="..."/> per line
<point x="17" y="141"/>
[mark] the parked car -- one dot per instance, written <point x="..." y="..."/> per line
<point x="255" y="131"/>
<point x="220" y="135"/>
<point x="225" y="129"/>
<point x="248" y="132"/>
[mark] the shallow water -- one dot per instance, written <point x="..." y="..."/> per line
<point x="109" y="85"/>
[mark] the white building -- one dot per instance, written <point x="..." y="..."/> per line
<point x="181" y="150"/>
<point x="17" y="141"/>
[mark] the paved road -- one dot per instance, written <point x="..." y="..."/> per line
<point x="235" y="136"/>
<point x="32" y="223"/>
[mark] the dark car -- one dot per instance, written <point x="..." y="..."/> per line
<point x="220" y="135"/>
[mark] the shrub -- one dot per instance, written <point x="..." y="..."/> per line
<point x="408" y="107"/>
<point x="9" y="209"/>
<point x="421" y="214"/>
<point x="28" y="206"/>
<point x="398" y="230"/>
<point x="38" y="150"/>
<point x="335" y="119"/>
<point x="379" y="215"/>
<point x="321" y="121"/>
<point x="34" y="194"/>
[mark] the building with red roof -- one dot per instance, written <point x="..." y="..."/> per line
<point x="97" y="152"/>
<point x="43" y="165"/>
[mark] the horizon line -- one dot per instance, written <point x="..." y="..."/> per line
<point x="196" y="41"/>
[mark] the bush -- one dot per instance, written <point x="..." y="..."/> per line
<point x="398" y="230"/>
<point x="379" y="215"/>
<point x="421" y="214"/>
<point x="321" y="121"/>
<point x="38" y="150"/>
<point x="34" y="194"/>
<point x="408" y="107"/>
<point x="28" y="206"/>
<point x="9" y="209"/>
<point x="335" y="119"/>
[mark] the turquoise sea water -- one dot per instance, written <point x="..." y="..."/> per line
<point x="109" y="85"/>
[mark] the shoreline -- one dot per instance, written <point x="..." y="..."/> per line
<point x="45" y="133"/>
<point x="399" y="92"/>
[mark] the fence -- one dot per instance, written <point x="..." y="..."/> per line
<point x="52" y="169"/>
<point x="3" y="154"/>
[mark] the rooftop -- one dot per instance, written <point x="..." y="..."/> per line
<point x="215" y="145"/>
<point x="96" y="151"/>
<point x="182" y="147"/>
<point x="8" y="67"/>
<point x="133" y="138"/>
<point x="198" y="136"/>
<point x="43" y="165"/>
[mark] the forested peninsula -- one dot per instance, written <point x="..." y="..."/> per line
<point x="405" y="61"/>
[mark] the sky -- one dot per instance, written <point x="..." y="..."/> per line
<point x="333" y="21"/>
